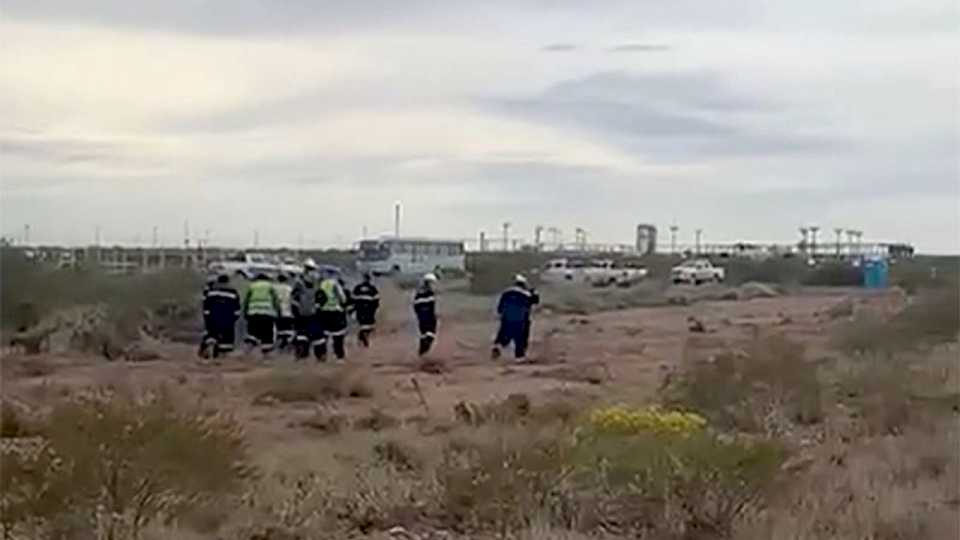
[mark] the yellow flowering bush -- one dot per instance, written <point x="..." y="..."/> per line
<point x="623" y="420"/>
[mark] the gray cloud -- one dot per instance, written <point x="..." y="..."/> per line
<point x="286" y="16"/>
<point x="55" y="149"/>
<point x="670" y="117"/>
<point x="560" y="47"/>
<point x="639" y="47"/>
<point x="805" y="133"/>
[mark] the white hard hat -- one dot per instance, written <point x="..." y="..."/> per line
<point x="430" y="278"/>
<point x="520" y="278"/>
<point x="310" y="264"/>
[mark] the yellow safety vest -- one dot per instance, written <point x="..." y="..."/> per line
<point x="260" y="299"/>
<point x="332" y="293"/>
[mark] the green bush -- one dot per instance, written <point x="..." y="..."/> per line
<point x="30" y="292"/>
<point x="691" y="486"/>
<point x="490" y="273"/>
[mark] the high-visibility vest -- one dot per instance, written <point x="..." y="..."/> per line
<point x="260" y="299"/>
<point x="332" y="293"/>
<point x="284" y="298"/>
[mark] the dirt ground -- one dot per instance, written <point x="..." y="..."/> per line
<point x="612" y="356"/>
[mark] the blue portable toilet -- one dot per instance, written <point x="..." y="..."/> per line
<point x="876" y="273"/>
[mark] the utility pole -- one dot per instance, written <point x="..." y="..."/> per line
<point x="506" y="236"/>
<point x="839" y="232"/>
<point x="851" y="242"/>
<point x="483" y="241"/>
<point x="803" y="243"/>
<point x="814" y="229"/>
<point x="580" y="239"/>
<point x="26" y="234"/>
<point x="96" y="242"/>
<point x="673" y="238"/>
<point x="555" y="235"/>
<point x="698" y="235"/>
<point x="396" y="219"/>
<point x="537" y="232"/>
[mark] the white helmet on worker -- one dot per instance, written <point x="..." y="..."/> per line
<point x="520" y="279"/>
<point x="310" y="264"/>
<point x="430" y="278"/>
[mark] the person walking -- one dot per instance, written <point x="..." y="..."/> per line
<point x="425" y="308"/>
<point x="260" y="307"/>
<point x="306" y="319"/>
<point x="221" y="308"/>
<point x="514" y="309"/>
<point x="333" y="314"/>
<point x="366" y="301"/>
<point x="285" y="320"/>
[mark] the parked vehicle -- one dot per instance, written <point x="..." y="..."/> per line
<point x="596" y="272"/>
<point x="697" y="271"/>
<point x="247" y="265"/>
<point x="410" y="256"/>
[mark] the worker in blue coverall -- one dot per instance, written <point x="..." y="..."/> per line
<point x="514" y="309"/>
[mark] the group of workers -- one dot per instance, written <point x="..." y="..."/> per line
<point x="314" y="310"/>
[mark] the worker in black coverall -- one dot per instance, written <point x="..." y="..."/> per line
<point x="425" y="307"/>
<point x="514" y="309"/>
<point x="366" y="301"/>
<point x="221" y="308"/>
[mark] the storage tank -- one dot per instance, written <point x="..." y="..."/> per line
<point x="646" y="239"/>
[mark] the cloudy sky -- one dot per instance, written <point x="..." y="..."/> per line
<point x="308" y="119"/>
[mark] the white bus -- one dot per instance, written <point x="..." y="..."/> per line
<point x="410" y="256"/>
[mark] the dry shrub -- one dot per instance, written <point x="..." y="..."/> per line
<point x="589" y="374"/>
<point x="286" y="508"/>
<point x="519" y="409"/>
<point x="119" y="463"/>
<point x="398" y="454"/>
<point x="382" y="497"/>
<point x="375" y="420"/>
<point x="931" y="319"/>
<point x="325" y="422"/>
<point x="28" y="367"/>
<point x="876" y="488"/>
<point x="294" y="386"/>
<point x="697" y="486"/>
<point x="583" y="300"/>
<point x="765" y="388"/>
<point x="32" y="490"/>
<point x="499" y="480"/>
<point x="14" y="421"/>
<point x="879" y="392"/>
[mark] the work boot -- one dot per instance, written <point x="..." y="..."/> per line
<point x="495" y="353"/>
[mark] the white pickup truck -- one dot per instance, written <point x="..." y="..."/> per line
<point x="597" y="272"/>
<point x="697" y="271"/>
<point x="248" y="265"/>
